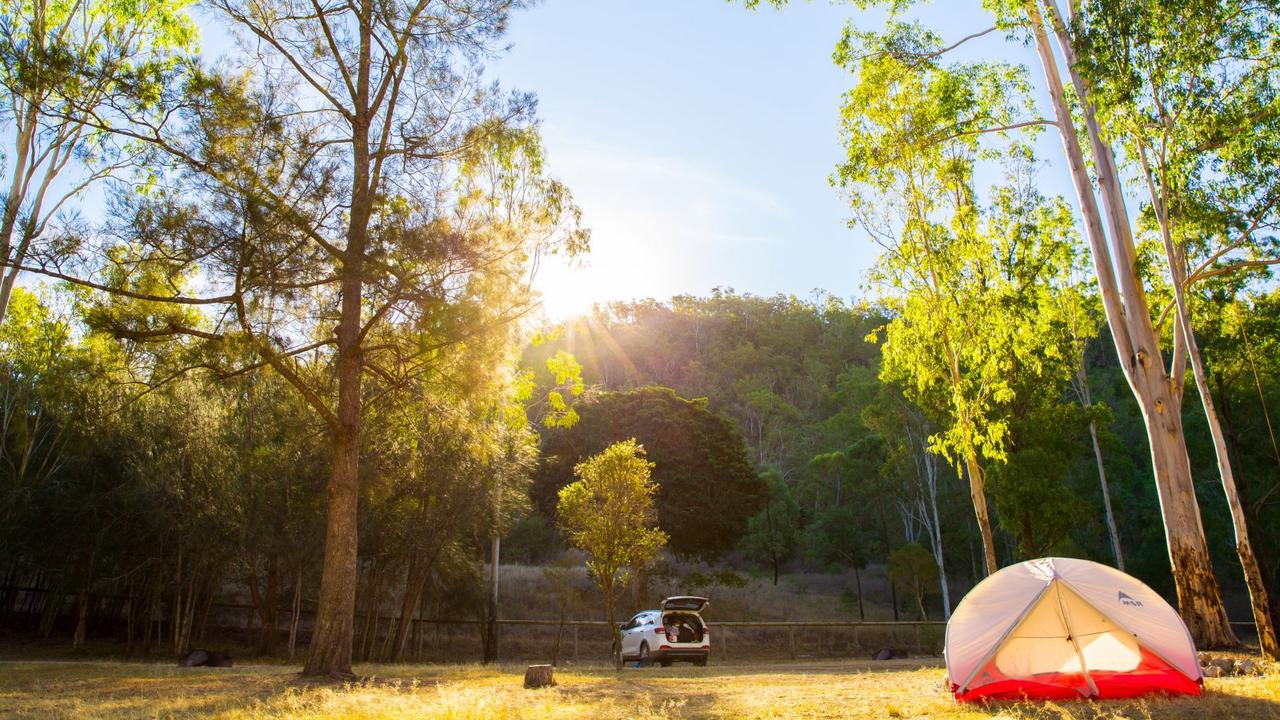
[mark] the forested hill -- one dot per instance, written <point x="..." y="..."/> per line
<point x="844" y="454"/>
<point x="787" y="371"/>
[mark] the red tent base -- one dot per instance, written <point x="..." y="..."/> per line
<point x="1152" y="675"/>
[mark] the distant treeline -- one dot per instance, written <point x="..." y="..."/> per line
<point x="130" y="507"/>
<point x="846" y="462"/>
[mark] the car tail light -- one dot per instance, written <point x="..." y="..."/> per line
<point x="659" y="629"/>
<point x="664" y="647"/>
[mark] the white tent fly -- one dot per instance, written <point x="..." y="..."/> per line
<point x="1062" y="628"/>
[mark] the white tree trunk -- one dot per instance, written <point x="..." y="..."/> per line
<point x="935" y="535"/>
<point x="1086" y="399"/>
<point x="1199" y="598"/>
<point x="1112" y="530"/>
<point x="1258" y="599"/>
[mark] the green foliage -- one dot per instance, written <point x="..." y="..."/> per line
<point x="742" y="353"/>
<point x="609" y="514"/>
<point x="77" y="81"/>
<point x="773" y="533"/>
<point x="837" y="539"/>
<point x="1034" y="501"/>
<point x="912" y="571"/>
<point x="719" y="578"/>
<point x="706" y="486"/>
<point x="531" y="541"/>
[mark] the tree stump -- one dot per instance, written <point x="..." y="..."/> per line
<point x="537" y="676"/>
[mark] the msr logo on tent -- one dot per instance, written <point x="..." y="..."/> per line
<point x="1126" y="600"/>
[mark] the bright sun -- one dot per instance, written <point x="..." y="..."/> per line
<point x="567" y="291"/>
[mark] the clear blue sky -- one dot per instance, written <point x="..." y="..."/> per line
<point x="698" y="138"/>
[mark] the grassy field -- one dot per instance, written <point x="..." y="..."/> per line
<point x="834" y="689"/>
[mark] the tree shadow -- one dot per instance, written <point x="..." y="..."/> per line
<point x="1210" y="704"/>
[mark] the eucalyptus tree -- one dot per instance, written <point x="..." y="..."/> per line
<point x="1189" y="100"/>
<point x="1082" y="320"/>
<point x="67" y="67"/>
<point x="973" y="287"/>
<point x="1109" y="233"/>
<point x="926" y="230"/>
<point x="911" y="461"/>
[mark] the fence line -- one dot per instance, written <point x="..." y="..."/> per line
<point x="455" y="639"/>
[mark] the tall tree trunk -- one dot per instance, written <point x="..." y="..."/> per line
<point x="373" y="601"/>
<point x="978" y="495"/>
<point x="204" y="614"/>
<point x="408" y="602"/>
<point x="773" y="541"/>
<point x="188" y="616"/>
<point x="555" y="652"/>
<point x="615" y="631"/>
<point x="264" y="602"/>
<point x="24" y="137"/>
<point x="491" y="608"/>
<point x="82" y="617"/>
<point x="857" y="581"/>
<point x="296" y="610"/>
<point x="176" y="622"/>
<point x="331" y="640"/>
<point x="331" y="637"/>
<point x="884" y="538"/>
<point x="1266" y="558"/>
<point x="1258" y="599"/>
<point x="148" y="617"/>
<point x="270" y="617"/>
<point x="129" y="613"/>
<point x="1112" y="530"/>
<point x="1199" y="598"/>
<point x="935" y="537"/>
<point x="1086" y="399"/>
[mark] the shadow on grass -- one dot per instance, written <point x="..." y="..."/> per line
<point x="819" y="689"/>
<point x="1211" y="704"/>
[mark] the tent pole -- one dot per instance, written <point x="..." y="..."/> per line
<point x="1071" y="634"/>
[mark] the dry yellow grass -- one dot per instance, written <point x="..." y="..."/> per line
<point x="834" y="689"/>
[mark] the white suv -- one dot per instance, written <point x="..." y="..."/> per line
<point x="676" y="632"/>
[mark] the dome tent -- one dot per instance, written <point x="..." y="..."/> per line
<point x="1057" y="628"/>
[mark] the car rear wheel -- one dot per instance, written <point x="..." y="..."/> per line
<point x="645" y="659"/>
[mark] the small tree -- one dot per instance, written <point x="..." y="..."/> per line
<point x="609" y="514"/>
<point x="772" y="533"/>
<point x="838" y="539"/>
<point x="911" y="569"/>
